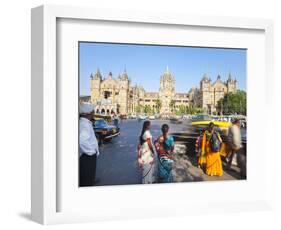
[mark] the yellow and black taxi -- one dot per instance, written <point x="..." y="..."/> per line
<point x="104" y="131"/>
<point x="200" y="123"/>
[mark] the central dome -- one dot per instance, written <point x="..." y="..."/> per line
<point x="167" y="76"/>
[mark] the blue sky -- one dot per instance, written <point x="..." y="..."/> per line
<point x="146" y="63"/>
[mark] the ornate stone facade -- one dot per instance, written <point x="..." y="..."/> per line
<point x="166" y="91"/>
<point x="112" y="95"/>
<point x="109" y="94"/>
<point x="117" y="95"/>
<point x="208" y="94"/>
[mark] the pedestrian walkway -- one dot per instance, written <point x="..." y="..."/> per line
<point x="185" y="168"/>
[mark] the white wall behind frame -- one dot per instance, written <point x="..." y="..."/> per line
<point x="15" y="67"/>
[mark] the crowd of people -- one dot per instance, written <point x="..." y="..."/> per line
<point x="155" y="158"/>
<point x="209" y="145"/>
<point x="156" y="165"/>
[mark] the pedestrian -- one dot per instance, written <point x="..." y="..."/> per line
<point x="165" y="148"/>
<point x="115" y="120"/>
<point x="121" y="118"/>
<point x="146" y="154"/>
<point x="235" y="146"/>
<point x="211" y="148"/>
<point x="201" y="163"/>
<point x="88" y="146"/>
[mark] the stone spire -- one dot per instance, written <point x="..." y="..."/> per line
<point x="218" y="78"/>
<point x="167" y="70"/>
<point x="125" y="75"/>
<point x="110" y="75"/>
<point x="229" y="77"/>
<point x="167" y="76"/>
<point x="205" y="77"/>
<point x="97" y="75"/>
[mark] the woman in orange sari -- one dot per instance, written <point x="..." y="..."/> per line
<point x="201" y="163"/>
<point x="211" y="149"/>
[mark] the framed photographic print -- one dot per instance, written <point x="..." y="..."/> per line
<point x="131" y="109"/>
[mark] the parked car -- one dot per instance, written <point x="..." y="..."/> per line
<point x="142" y="117"/>
<point x="133" y="116"/>
<point x="104" y="131"/>
<point x="152" y="117"/>
<point x="123" y="116"/>
<point x="107" y="118"/>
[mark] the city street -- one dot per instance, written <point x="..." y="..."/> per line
<point x="117" y="162"/>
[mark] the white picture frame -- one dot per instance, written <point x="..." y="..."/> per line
<point x="45" y="90"/>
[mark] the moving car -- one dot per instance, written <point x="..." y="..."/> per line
<point x="175" y="120"/>
<point x="104" y="131"/>
<point x="198" y="125"/>
<point x="205" y="119"/>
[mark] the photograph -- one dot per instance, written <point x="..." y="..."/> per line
<point x="156" y="113"/>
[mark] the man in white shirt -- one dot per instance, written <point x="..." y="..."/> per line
<point x="88" y="146"/>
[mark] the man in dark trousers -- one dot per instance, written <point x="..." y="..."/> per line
<point x="88" y="146"/>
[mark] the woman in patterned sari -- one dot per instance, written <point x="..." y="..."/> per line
<point x="165" y="148"/>
<point x="146" y="154"/>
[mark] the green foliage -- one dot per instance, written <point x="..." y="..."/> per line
<point x="193" y="110"/>
<point x="158" y="105"/>
<point x="147" y="109"/>
<point x="139" y="109"/>
<point x="172" y="105"/>
<point x="184" y="109"/>
<point x="233" y="103"/>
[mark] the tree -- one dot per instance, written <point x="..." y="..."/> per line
<point x="172" y="105"/>
<point x="147" y="109"/>
<point x="158" y="105"/>
<point x="139" y="109"/>
<point x="233" y="103"/>
<point x="182" y="110"/>
<point x="191" y="109"/>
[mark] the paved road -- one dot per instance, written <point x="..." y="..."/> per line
<point x="117" y="163"/>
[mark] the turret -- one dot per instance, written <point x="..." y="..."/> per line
<point x="95" y="82"/>
<point x="231" y="84"/>
<point x="205" y="83"/>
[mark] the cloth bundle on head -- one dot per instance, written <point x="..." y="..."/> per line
<point x="86" y="108"/>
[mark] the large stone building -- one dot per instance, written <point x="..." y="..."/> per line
<point x="208" y="94"/>
<point x="117" y="95"/>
